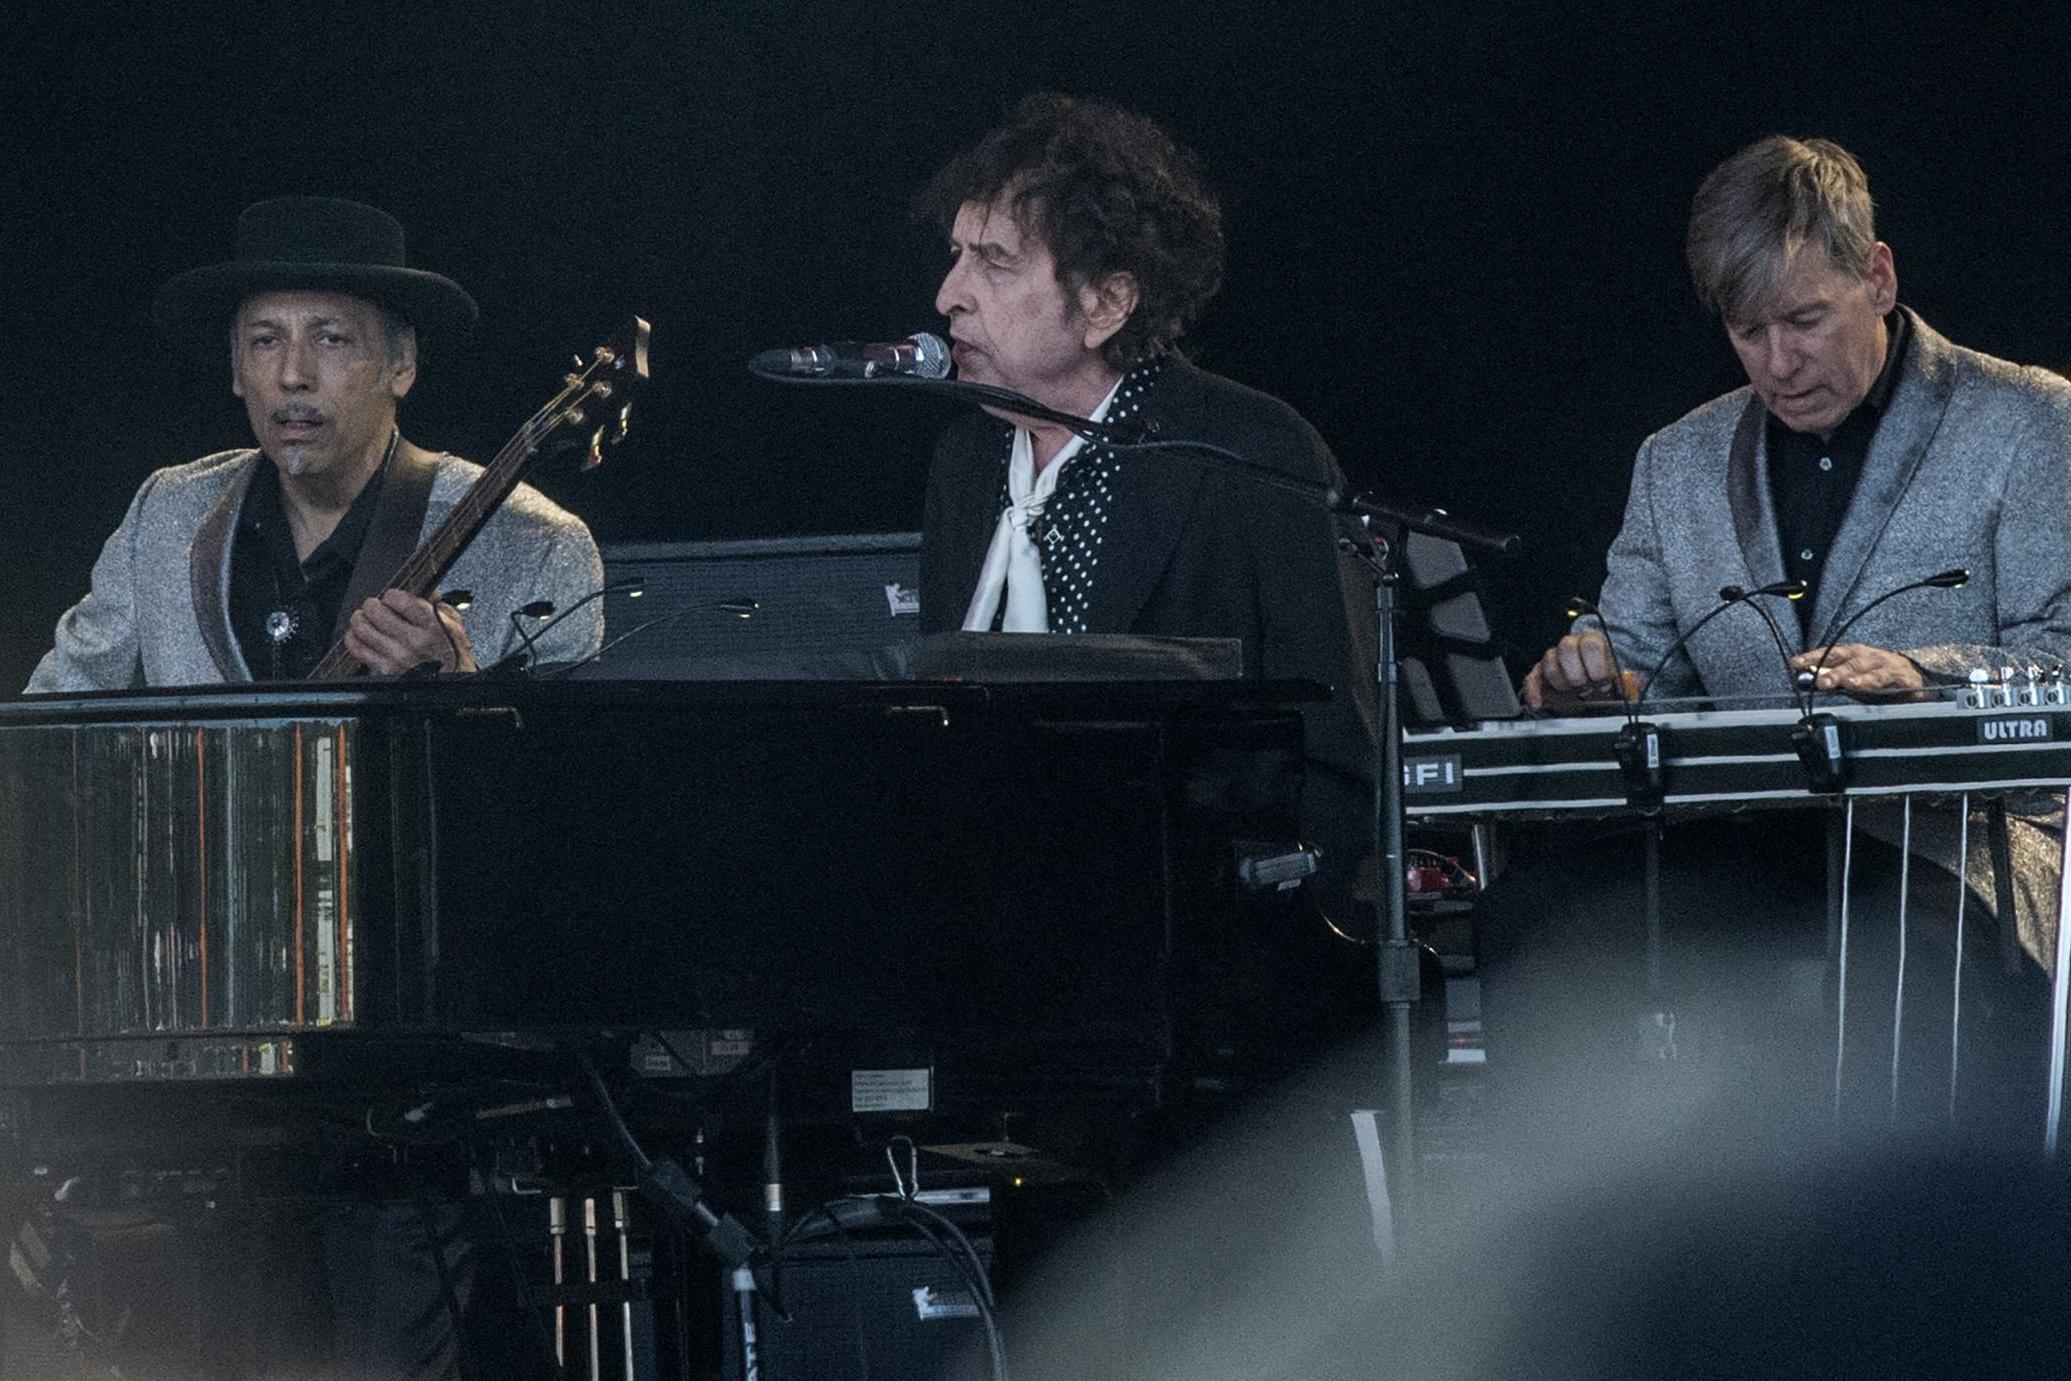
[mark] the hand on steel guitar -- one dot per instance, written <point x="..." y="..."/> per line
<point x="1578" y="670"/>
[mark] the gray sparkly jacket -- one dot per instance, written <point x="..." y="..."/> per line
<point x="1970" y="466"/>
<point x="159" y="611"/>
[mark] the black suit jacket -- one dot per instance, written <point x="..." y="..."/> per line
<point x="1194" y="550"/>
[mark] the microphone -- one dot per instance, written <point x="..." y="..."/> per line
<point x="919" y="356"/>
<point x="521" y="660"/>
<point x="1789" y="589"/>
<point x="1818" y="738"/>
<point x="1727" y="600"/>
<point x="1951" y="579"/>
<point x="1641" y="761"/>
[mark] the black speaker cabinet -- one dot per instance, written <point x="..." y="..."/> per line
<point x="897" y="1305"/>
<point x="771" y="608"/>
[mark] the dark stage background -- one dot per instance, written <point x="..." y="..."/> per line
<point x="1455" y="231"/>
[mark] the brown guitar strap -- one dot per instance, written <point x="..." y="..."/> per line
<point x="393" y="531"/>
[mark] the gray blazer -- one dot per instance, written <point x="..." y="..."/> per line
<point x="158" y="613"/>
<point x="1971" y="466"/>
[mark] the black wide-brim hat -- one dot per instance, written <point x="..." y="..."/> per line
<point x="316" y="244"/>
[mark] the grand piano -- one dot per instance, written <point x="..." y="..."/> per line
<point x="313" y="883"/>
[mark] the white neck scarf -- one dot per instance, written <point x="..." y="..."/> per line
<point x="1013" y="567"/>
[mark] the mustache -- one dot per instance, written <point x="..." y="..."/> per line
<point x="297" y="414"/>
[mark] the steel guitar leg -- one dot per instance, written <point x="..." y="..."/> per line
<point x="557" y="1232"/>
<point x="1841" y="954"/>
<point x="621" y="1226"/>
<point x="1837" y="839"/>
<point x="2060" y="991"/>
<point x="589" y="1234"/>
<point x="1956" y="990"/>
<point x="1898" y="987"/>
<point x="1653" y="917"/>
<point x="1656" y="1033"/>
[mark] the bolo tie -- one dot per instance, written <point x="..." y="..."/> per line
<point x="281" y="623"/>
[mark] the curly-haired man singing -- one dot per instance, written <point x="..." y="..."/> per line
<point x="1082" y="244"/>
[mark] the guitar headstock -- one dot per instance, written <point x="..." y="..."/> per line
<point x="602" y="387"/>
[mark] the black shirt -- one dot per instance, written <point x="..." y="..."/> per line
<point x="1812" y="481"/>
<point x="283" y="609"/>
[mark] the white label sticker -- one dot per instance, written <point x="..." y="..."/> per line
<point x="903" y="599"/>
<point x="889" y="1090"/>
<point x="326" y="956"/>
<point x="324" y="789"/>
<point x="930" y="1303"/>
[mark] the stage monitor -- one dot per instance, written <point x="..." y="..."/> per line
<point x="764" y="607"/>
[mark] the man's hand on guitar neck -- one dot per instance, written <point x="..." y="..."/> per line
<point x="400" y="632"/>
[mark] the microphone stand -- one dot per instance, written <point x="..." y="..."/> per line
<point x="982" y="395"/>
<point x="1383" y="530"/>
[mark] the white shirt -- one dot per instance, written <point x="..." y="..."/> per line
<point x="1013" y="568"/>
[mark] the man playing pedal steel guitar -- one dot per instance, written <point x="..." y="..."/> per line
<point x="251" y="564"/>
<point x="1866" y="453"/>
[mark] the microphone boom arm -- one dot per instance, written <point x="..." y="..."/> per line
<point x="1132" y="436"/>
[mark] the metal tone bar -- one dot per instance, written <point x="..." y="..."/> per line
<point x="1841" y="976"/>
<point x="557" y="1234"/>
<point x="625" y="1275"/>
<point x="2060" y="995"/>
<point x="1898" y="987"/>
<point x="1956" y="987"/>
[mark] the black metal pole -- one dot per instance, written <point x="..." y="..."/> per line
<point x="1397" y="971"/>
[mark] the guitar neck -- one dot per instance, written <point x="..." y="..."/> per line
<point x="420" y="574"/>
<point x="615" y="367"/>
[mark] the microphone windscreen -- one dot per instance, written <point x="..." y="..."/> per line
<point x="933" y="355"/>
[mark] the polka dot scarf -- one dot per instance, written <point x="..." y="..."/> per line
<point x="1073" y="521"/>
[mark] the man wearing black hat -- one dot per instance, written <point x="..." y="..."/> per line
<point x="227" y="569"/>
<point x="248" y="565"/>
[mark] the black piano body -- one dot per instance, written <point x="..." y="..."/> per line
<point x="310" y="884"/>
